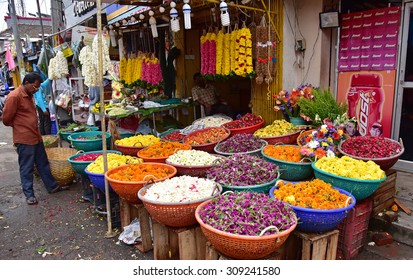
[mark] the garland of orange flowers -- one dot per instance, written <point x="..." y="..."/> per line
<point x="122" y="68"/>
<point x="315" y="194"/>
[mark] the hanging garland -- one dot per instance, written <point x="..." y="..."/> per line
<point x="220" y="53"/>
<point x="226" y="65"/>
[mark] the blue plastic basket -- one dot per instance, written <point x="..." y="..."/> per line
<point x="316" y="220"/>
<point x="291" y="171"/>
<point x="359" y="188"/>
<point x="98" y="180"/>
<point x="88" y="145"/>
<point x="79" y="166"/>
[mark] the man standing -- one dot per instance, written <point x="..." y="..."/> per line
<point x="20" y="113"/>
<point x="40" y="97"/>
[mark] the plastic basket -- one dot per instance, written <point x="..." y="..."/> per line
<point x="61" y="169"/>
<point x="317" y="220"/>
<point x="79" y="166"/>
<point x="65" y="134"/>
<point x="384" y="163"/>
<point x="256" y="152"/>
<point x="354" y="228"/>
<point x="129" y="150"/>
<point x="88" y="145"/>
<point x="129" y="190"/>
<point x="285" y="139"/>
<point x="194" y="170"/>
<point x="240" y="246"/>
<point x="359" y="188"/>
<point x="291" y="171"/>
<point x="246" y="130"/>
<point x="98" y="180"/>
<point x="160" y="159"/>
<point x="264" y="188"/>
<point x="209" y="148"/>
<point x="174" y="214"/>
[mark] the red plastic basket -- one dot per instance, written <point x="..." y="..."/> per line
<point x="209" y="148"/>
<point x="286" y="139"/>
<point x="354" y="228"/>
<point x="129" y="150"/>
<point x="247" y="130"/>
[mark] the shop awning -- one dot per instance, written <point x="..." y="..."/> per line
<point x="129" y="13"/>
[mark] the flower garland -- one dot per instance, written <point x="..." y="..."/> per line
<point x="203" y="40"/>
<point x="122" y="68"/>
<point x="88" y="68"/>
<point x="244" y="57"/>
<point x="58" y="67"/>
<point x="220" y="52"/>
<point x="233" y="50"/>
<point x="107" y="65"/>
<point x="261" y="62"/>
<point x="226" y="64"/>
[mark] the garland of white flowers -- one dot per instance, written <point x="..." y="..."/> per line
<point x="88" y="57"/>
<point x="88" y="69"/>
<point x="58" y="67"/>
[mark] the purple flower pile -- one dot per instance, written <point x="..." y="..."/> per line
<point x="243" y="170"/>
<point x="247" y="213"/>
<point x="240" y="143"/>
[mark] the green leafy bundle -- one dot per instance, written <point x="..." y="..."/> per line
<point x="323" y="106"/>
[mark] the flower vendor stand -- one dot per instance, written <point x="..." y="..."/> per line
<point x="130" y="211"/>
<point x="312" y="246"/>
<point x="185" y="243"/>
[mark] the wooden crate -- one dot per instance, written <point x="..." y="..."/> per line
<point x="130" y="211"/>
<point x="383" y="197"/>
<point x="187" y="243"/>
<point x="214" y="254"/>
<point x="312" y="246"/>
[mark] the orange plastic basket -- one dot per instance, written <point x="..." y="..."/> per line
<point x="174" y="214"/>
<point x="129" y="190"/>
<point x="242" y="246"/>
<point x="161" y="159"/>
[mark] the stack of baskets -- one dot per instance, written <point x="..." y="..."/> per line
<point x="61" y="169"/>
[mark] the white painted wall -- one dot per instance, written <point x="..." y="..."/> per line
<point x="301" y="21"/>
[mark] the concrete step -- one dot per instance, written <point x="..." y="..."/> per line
<point x="402" y="228"/>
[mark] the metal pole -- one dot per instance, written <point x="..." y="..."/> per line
<point x="47" y="60"/>
<point x="109" y="233"/>
<point x="17" y="41"/>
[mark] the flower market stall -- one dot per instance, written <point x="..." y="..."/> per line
<point x="218" y="182"/>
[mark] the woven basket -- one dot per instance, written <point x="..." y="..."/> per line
<point x="129" y="190"/>
<point x="317" y="220"/>
<point x="241" y="246"/>
<point x="50" y="141"/>
<point x="61" y="169"/>
<point x="174" y="214"/>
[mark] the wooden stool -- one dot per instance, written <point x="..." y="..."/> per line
<point x="313" y="246"/>
<point x="187" y="243"/>
<point x="130" y="211"/>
